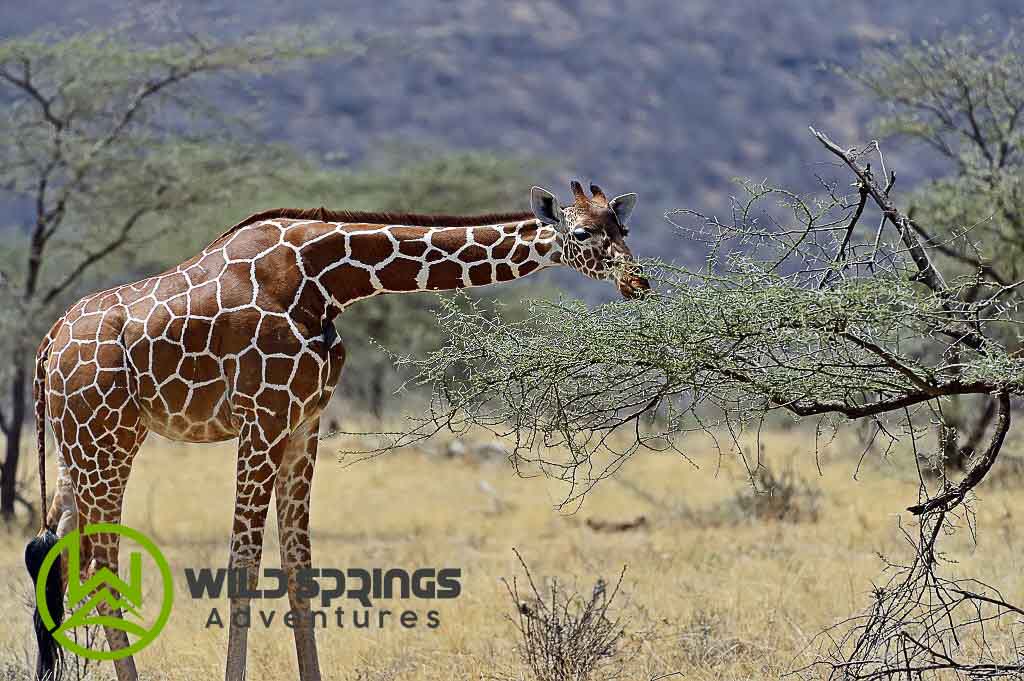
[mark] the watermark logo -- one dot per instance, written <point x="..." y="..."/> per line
<point x="105" y="587"/>
<point x="357" y="589"/>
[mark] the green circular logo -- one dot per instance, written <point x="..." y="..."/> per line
<point x="105" y="587"/>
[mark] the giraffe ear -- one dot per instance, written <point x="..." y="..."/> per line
<point x="545" y="206"/>
<point x="623" y="206"/>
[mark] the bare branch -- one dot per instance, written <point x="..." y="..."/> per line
<point x="929" y="275"/>
<point x="980" y="469"/>
<point x="25" y="84"/>
<point x="96" y="256"/>
<point x="927" y="272"/>
<point x="986" y="269"/>
<point x="892" y="360"/>
<point x="841" y="253"/>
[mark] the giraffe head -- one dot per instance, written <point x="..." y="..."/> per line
<point x="592" y="235"/>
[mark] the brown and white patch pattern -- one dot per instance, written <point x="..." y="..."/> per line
<point x="239" y="341"/>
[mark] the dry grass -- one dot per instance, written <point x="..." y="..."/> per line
<point x="711" y="600"/>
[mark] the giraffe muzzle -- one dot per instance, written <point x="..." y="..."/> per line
<point x="632" y="286"/>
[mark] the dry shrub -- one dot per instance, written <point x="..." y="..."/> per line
<point x="78" y="668"/>
<point x="565" y="635"/>
<point x="393" y="670"/>
<point x="705" y="642"/>
<point x="785" y="498"/>
<point x="788" y="498"/>
<point x="13" y="671"/>
<point x="768" y="498"/>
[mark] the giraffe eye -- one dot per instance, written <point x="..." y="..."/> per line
<point x="580" y="234"/>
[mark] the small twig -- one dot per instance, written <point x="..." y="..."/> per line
<point x="841" y="253"/>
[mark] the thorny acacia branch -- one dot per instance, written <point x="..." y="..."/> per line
<point x="576" y="390"/>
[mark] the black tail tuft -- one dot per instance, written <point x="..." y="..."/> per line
<point x="50" y="664"/>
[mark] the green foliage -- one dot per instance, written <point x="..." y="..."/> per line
<point x="746" y="344"/>
<point x="118" y="163"/>
<point x="108" y="142"/>
<point x="773" y="322"/>
<point x="962" y="96"/>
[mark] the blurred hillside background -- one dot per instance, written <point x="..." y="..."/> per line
<point x="459" y="107"/>
<point x="668" y="99"/>
<point x="409" y="106"/>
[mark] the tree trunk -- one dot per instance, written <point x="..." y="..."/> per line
<point x="377" y="392"/>
<point x="374" y="329"/>
<point x="9" y="472"/>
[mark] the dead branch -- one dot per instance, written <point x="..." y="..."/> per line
<point x="927" y="273"/>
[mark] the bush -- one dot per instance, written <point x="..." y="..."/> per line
<point x="786" y="498"/>
<point x="565" y="636"/>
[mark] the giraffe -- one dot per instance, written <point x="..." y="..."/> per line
<point x="239" y="342"/>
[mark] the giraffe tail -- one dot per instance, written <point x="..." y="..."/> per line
<point x="50" y="661"/>
<point x="39" y="400"/>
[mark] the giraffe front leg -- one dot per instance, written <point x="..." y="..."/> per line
<point x="258" y="464"/>
<point x="294" y="484"/>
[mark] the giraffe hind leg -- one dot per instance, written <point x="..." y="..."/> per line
<point x="98" y="429"/>
<point x="100" y="500"/>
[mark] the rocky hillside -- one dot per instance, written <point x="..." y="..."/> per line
<point x="666" y="98"/>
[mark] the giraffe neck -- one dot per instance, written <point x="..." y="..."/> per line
<point x="378" y="259"/>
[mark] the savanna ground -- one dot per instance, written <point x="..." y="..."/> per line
<point x="711" y="591"/>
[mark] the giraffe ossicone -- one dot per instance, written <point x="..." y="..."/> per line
<point x="239" y="341"/>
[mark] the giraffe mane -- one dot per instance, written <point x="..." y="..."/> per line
<point x="381" y="218"/>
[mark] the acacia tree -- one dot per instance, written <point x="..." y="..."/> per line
<point x="807" y="315"/>
<point x="107" y="141"/>
<point x="828" y="307"/>
<point x="963" y="98"/>
<point x="956" y="248"/>
<point x="840" y="306"/>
